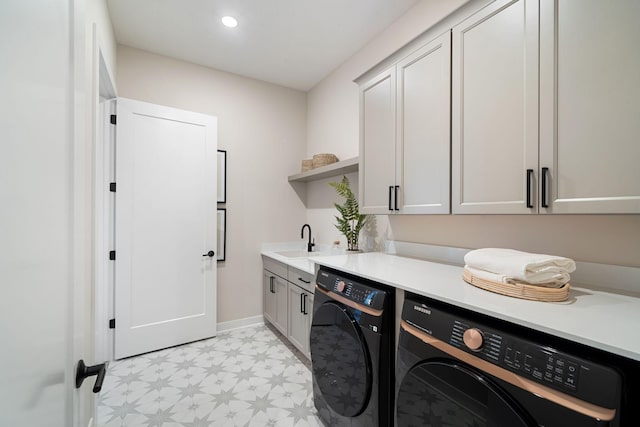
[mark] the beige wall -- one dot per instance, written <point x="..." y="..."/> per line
<point x="607" y="239"/>
<point x="262" y="127"/>
<point x="333" y="127"/>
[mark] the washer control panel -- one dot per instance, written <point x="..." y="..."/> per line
<point x="355" y="292"/>
<point x="352" y="290"/>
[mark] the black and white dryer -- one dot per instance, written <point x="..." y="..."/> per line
<point x="463" y="369"/>
<point x="352" y="336"/>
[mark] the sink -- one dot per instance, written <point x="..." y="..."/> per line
<point x="299" y="254"/>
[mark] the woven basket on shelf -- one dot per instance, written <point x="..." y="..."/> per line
<point x="323" y="159"/>
<point x="307" y="165"/>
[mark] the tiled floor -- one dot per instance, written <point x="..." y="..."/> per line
<point x="247" y="377"/>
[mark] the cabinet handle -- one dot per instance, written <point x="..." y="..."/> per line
<point x="545" y="203"/>
<point x="395" y="195"/>
<point x="271" y="285"/>
<point x="304" y="281"/>
<point x="529" y="175"/>
<point x="390" y="190"/>
<point x="304" y="304"/>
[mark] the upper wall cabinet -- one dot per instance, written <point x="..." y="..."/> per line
<point x="495" y="109"/>
<point x="545" y="113"/>
<point x="405" y="134"/>
<point x="377" y="142"/>
<point x="589" y="106"/>
<point x="564" y="139"/>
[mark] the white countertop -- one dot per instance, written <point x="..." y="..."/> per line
<point x="272" y="250"/>
<point x="304" y="264"/>
<point x="604" y="320"/>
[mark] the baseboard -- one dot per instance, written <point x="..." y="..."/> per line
<point x="240" y="323"/>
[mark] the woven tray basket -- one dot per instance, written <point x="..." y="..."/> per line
<point x="530" y="292"/>
<point x="323" y="159"/>
<point x="307" y="165"/>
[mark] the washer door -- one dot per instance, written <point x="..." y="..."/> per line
<point x="340" y="360"/>
<point x="444" y="392"/>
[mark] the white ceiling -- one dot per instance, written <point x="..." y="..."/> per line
<point x="293" y="43"/>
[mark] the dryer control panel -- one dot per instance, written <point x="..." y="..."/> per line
<point x="536" y="362"/>
<point x="510" y="347"/>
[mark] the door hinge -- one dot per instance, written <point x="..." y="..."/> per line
<point x="112" y="187"/>
<point x="113" y="119"/>
<point x="112" y="323"/>
<point x="112" y="255"/>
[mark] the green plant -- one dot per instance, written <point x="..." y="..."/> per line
<point x="350" y="221"/>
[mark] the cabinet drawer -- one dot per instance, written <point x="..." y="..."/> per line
<point x="302" y="279"/>
<point x="275" y="267"/>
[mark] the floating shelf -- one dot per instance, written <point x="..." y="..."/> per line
<point x="339" y="168"/>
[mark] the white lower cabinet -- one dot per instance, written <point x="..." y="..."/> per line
<point x="300" y="309"/>
<point x="288" y="302"/>
<point x="275" y="296"/>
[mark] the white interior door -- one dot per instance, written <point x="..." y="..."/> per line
<point x="165" y="288"/>
<point x="43" y="216"/>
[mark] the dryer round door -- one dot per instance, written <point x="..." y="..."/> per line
<point x="340" y="359"/>
<point x="445" y="392"/>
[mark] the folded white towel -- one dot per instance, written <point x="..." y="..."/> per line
<point x="521" y="266"/>
<point x="501" y="278"/>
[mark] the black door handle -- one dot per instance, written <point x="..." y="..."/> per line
<point x="271" y="288"/>
<point x="83" y="371"/>
<point x="210" y="254"/>
<point x="304" y="304"/>
<point x="545" y="204"/>
<point x="529" y="174"/>
<point x="390" y="190"/>
<point x="396" y="197"/>
<point x="304" y="281"/>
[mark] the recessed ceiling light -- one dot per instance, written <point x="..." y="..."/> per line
<point x="230" y="21"/>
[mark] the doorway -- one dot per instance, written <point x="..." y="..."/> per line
<point x="155" y="227"/>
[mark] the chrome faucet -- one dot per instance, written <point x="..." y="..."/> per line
<point x="309" y="244"/>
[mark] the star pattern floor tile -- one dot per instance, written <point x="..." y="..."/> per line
<point x="246" y="377"/>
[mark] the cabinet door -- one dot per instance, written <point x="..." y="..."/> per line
<point x="423" y="134"/>
<point x="590" y="105"/>
<point x="377" y="142"/>
<point x="298" y="334"/>
<point x="309" y="319"/>
<point x="269" y="296"/>
<point x="495" y="109"/>
<point x="281" y="305"/>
